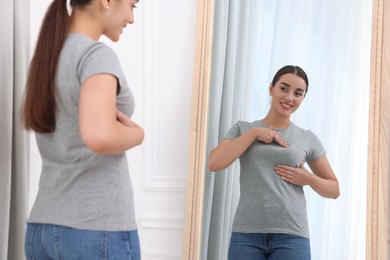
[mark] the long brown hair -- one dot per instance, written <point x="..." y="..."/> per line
<point x="38" y="111"/>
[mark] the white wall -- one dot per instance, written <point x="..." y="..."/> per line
<point x="157" y="58"/>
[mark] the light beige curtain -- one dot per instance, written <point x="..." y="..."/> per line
<point x="14" y="57"/>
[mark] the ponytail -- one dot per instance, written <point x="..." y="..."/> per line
<point x="39" y="108"/>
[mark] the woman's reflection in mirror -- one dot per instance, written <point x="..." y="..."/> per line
<point x="271" y="219"/>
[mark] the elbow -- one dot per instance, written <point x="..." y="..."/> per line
<point x="96" y="142"/>
<point x="336" y="195"/>
<point x="96" y="145"/>
<point x="214" y="166"/>
<point x="211" y="165"/>
<point x="141" y="136"/>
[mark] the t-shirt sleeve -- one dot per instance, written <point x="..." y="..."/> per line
<point x="233" y="132"/>
<point x="99" y="59"/>
<point x="316" y="149"/>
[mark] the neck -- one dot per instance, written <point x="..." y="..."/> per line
<point x="275" y="121"/>
<point x="85" y="23"/>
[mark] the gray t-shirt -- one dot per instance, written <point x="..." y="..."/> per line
<point x="79" y="188"/>
<point x="268" y="204"/>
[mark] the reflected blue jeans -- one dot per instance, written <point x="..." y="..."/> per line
<point x="261" y="246"/>
<point x="45" y="241"/>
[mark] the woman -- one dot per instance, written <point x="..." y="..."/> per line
<point x="271" y="220"/>
<point x="79" y="104"/>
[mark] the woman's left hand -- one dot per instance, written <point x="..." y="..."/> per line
<point x="322" y="180"/>
<point x="297" y="176"/>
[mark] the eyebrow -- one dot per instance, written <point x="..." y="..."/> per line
<point x="284" y="83"/>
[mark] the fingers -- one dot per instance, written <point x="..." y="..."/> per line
<point x="120" y="115"/>
<point x="284" y="172"/>
<point x="124" y="119"/>
<point x="279" y="140"/>
<point x="291" y="175"/>
<point x="272" y="135"/>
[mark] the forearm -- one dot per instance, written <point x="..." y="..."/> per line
<point x="115" y="139"/>
<point x="327" y="188"/>
<point x="227" y="152"/>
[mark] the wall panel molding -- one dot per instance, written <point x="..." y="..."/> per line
<point x="151" y="254"/>
<point x="155" y="179"/>
<point x="162" y="221"/>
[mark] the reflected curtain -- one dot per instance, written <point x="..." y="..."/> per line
<point x="14" y="52"/>
<point x="232" y="71"/>
<point x="330" y="40"/>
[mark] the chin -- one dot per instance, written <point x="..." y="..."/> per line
<point x="286" y="113"/>
<point x="113" y="38"/>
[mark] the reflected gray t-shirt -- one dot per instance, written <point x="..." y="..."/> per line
<point x="267" y="203"/>
<point x="79" y="188"/>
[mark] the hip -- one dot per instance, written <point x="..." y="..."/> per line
<point x="47" y="241"/>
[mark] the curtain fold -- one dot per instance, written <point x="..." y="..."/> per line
<point x="235" y="23"/>
<point x="330" y="40"/>
<point x="14" y="57"/>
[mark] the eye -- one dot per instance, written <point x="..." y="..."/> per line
<point x="298" y="94"/>
<point x="133" y="4"/>
<point x="284" y="88"/>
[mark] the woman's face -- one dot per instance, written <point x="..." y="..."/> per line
<point x="118" y="16"/>
<point x="287" y="94"/>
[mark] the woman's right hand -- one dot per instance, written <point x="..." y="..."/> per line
<point x="124" y="119"/>
<point x="267" y="135"/>
<point x="229" y="150"/>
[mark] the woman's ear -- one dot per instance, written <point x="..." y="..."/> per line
<point x="105" y="3"/>
<point x="270" y="89"/>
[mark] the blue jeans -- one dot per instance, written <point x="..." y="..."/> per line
<point x="259" y="246"/>
<point x="45" y="241"/>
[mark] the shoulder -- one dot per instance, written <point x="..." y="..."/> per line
<point x="300" y="130"/>
<point x="85" y="47"/>
<point x="92" y="57"/>
<point x="100" y="51"/>
<point x="240" y="127"/>
<point x="311" y="139"/>
<point x="307" y="134"/>
<point x="246" y="124"/>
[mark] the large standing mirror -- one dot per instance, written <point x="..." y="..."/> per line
<point x="375" y="152"/>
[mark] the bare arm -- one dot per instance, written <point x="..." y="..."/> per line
<point x="229" y="150"/>
<point x="323" y="181"/>
<point x="103" y="128"/>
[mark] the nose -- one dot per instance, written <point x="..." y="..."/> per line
<point x="289" y="96"/>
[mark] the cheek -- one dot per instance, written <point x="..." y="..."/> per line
<point x="298" y="101"/>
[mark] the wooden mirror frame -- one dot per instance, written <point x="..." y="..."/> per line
<point x="378" y="139"/>
<point x="379" y="125"/>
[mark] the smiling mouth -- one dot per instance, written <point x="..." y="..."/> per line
<point x="286" y="106"/>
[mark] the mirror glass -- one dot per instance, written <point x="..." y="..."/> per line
<point x="330" y="40"/>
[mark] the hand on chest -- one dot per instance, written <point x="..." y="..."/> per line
<point x="273" y="154"/>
